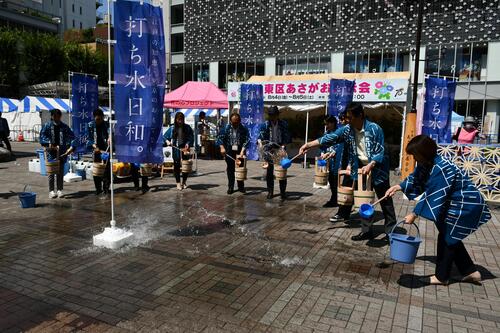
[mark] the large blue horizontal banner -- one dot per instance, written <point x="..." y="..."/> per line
<point x="439" y="101"/>
<point x="140" y="81"/>
<point x="84" y="100"/>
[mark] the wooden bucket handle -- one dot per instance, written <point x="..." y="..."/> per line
<point x="45" y="153"/>
<point x="342" y="174"/>
<point x="367" y="182"/>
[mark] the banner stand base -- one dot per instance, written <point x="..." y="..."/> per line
<point x="113" y="238"/>
<point x="71" y="177"/>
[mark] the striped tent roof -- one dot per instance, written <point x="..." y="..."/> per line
<point x="209" y="112"/>
<point x="8" y="104"/>
<point x="37" y="104"/>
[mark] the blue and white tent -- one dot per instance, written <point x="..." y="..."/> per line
<point x="37" y="104"/>
<point x="8" y="104"/>
<point x="210" y="112"/>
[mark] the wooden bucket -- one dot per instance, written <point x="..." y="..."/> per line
<point x="279" y="173"/>
<point x="146" y="170"/>
<point x="364" y="192"/>
<point x="240" y="172"/>
<point x="121" y="170"/>
<point x="52" y="167"/>
<point x="345" y="195"/>
<point x="98" y="169"/>
<point x="187" y="166"/>
<point x="321" y="174"/>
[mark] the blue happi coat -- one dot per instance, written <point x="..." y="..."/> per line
<point x="100" y="135"/>
<point x="449" y="199"/>
<point x="224" y="138"/>
<point x="265" y="132"/>
<point x="66" y="138"/>
<point x="336" y="161"/>
<point x="171" y="136"/>
<point x="374" y="141"/>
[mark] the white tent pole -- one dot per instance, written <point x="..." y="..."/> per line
<point x="307" y="136"/>
<point x="402" y="140"/>
<point x="70" y="112"/>
<point x="112" y="222"/>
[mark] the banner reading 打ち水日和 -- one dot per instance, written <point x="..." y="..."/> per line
<point x="84" y="100"/>
<point x="439" y="101"/>
<point x="140" y="81"/>
<point x="341" y="95"/>
<point x="252" y="115"/>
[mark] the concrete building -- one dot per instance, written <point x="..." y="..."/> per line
<point x="53" y="16"/>
<point x="224" y="41"/>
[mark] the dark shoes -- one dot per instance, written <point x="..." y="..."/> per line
<point x="330" y="204"/>
<point x="337" y="218"/>
<point x="242" y="190"/>
<point x="270" y="195"/>
<point x="431" y="281"/>
<point x="362" y="236"/>
<point x="230" y="191"/>
<point x="145" y="189"/>
<point x="283" y="196"/>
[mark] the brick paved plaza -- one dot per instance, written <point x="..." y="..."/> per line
<point x="207" y="262"/>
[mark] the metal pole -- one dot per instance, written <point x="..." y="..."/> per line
<point x="112" y="222"/>
<point x="70" y="74"/>
<point x="307" y="136"/>
<point x="417" y="56"/>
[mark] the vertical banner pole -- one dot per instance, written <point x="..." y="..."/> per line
<point x="307" y="136"/>
<point x="70" y="112"/>
<point x="113" y="222"/>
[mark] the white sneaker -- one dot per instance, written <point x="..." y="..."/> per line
<point x="60" y="194"/>
<point x="52" y="195"/>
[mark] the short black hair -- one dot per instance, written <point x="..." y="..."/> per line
<point x="329" y="119"/>
<point x="98" y="112"/>
<point x="54" y="112"/>
<point x="235" y="114"/>
<point x="203" y="114"/>
<point x="424" y="147"/>
<point x="356" y="110"/>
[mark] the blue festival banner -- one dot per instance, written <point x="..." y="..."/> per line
<point x="252" y="114"/>
<point x="439" y="101"/>
<point x="140" y="81"/>
<point x="341" y="94"/>
<point x="84" y="100"/>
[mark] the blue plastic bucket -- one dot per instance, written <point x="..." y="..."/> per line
<point x="286" y="163"/>
<point x="366" y="211"/>
<point x="104" y="156"/>
<point x="27" y="199"/>
<point x="321" y="163"/>
<point x="404" y="248"/>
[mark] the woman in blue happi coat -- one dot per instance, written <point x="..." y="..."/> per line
<point x="451" y="201"/>
<point x="180" y="136"/>
<point x="58" y="140"/>
<point x="233" y="142"/>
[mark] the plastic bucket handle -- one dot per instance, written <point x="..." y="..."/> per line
<point x="403" y="222"/>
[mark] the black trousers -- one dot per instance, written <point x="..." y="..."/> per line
<point x="231" y="165"/>
<point x="270" y="180"/>
<point x="177" y="170"/>
<point x="333" y="181"/>
<point x="449" y="254"/>
<point x="134" y="172"/>
<point x="5" y="140"/>
<point x="102" y="183"/>
<point x="387" y="206"/>
<point x="58" y="179"/>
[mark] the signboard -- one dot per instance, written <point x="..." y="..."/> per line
<point x="84" y="100"/>
<point x="439" y="101"/>
<point x="296" y="91"/>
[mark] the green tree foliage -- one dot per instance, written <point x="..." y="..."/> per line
<point x="9" y="63"/>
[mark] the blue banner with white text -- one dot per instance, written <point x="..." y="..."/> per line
<point x="252" y="115"/>
<point x="341" y="94"/>
<point x="438" y="107"/>
<point x="140" y="81"/>
<point x="84" y="100"/>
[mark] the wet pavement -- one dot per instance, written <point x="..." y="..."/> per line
<point x="203" y="261"/>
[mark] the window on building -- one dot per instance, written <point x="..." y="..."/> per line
<point x="177" y="43"/>
<point x="80" y="10"/>
<point x="260" y="68"/>
<point x="301" y="64"/>
<point x="389" y="60"/>
<point x="241" y="74"/>
<point x="291" y="65"/>
<point x="177" y="76"/>
<point x="325" y="63"/>
<point x="447" y="61"/>
<point x="432" y="60"/>
<point x="202" y="73"/>
<point x="280" y="65"/>
<point x="73" y="23"/>
<point x="403" y="59"/>
<point x="350" y="62"/>
<point x="188" y="72"/>
<point x="463" y="61"/>
<point x="177" y="14"/>
<point x="250" y="67"/>
<point x="81" y="26"/>
<point x="479" y="61"/>
<point x="313" y="63"/>
<point x="231" y="71"/>
<point x="375" y="61"/>
<point x="223" y="74"/>
<point x="60" y="3"/>
<point x="362" y="62"/>
<point x="73" y="8"/>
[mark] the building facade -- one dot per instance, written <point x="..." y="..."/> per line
<point x="52" y="16"/>
<point x="224" y="41"/>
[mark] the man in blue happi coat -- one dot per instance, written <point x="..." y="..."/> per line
<point x="365" y="142"/>
<point x="98" y="142"/>
<point x="274" y="131"/>
<point x="58" y="140"/>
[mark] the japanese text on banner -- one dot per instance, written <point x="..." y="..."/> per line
<point x="84" y="100"/>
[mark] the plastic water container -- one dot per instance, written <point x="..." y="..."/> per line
<point x="366" y="211"/>
<point x="403" y="247"/>
<point x="41" y="157"/>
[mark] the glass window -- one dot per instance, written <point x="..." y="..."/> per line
<point x="177" y="43"/>
<point x="280" y="65"/>
<point x="260" y="68"/>
<point x="350" y="62"/>
<point x="250" y="68"/>
<point x="301" y="65"/>
<point x="81" y="26"/>
<point x="188" y="72"/>
<point x="325" y="63"/>
<point x="205" y="72"/>
<point x="240" y="70"/>
<point x="291" y="65"/>
<point x="447" y="62"/>
<point x="73" y="8"/>
<point x="80" y="10"/>
<point x="231" y="71"/>
<point x="388" y="61"/>
<point x="223" y="74"/>
<point x="313" y="67"/>
<point x="177" y="76"/>
<point x="177" y="14"/>
<point x="432" y="60"/>
<point x="375" y="60"/>
<point x="463" y="64"/>
<point x="362" y="62"/>
<point x="403" y="59"/>
<point x="479" y="60"/>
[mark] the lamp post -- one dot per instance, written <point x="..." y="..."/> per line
<point x="418" y="41"/>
